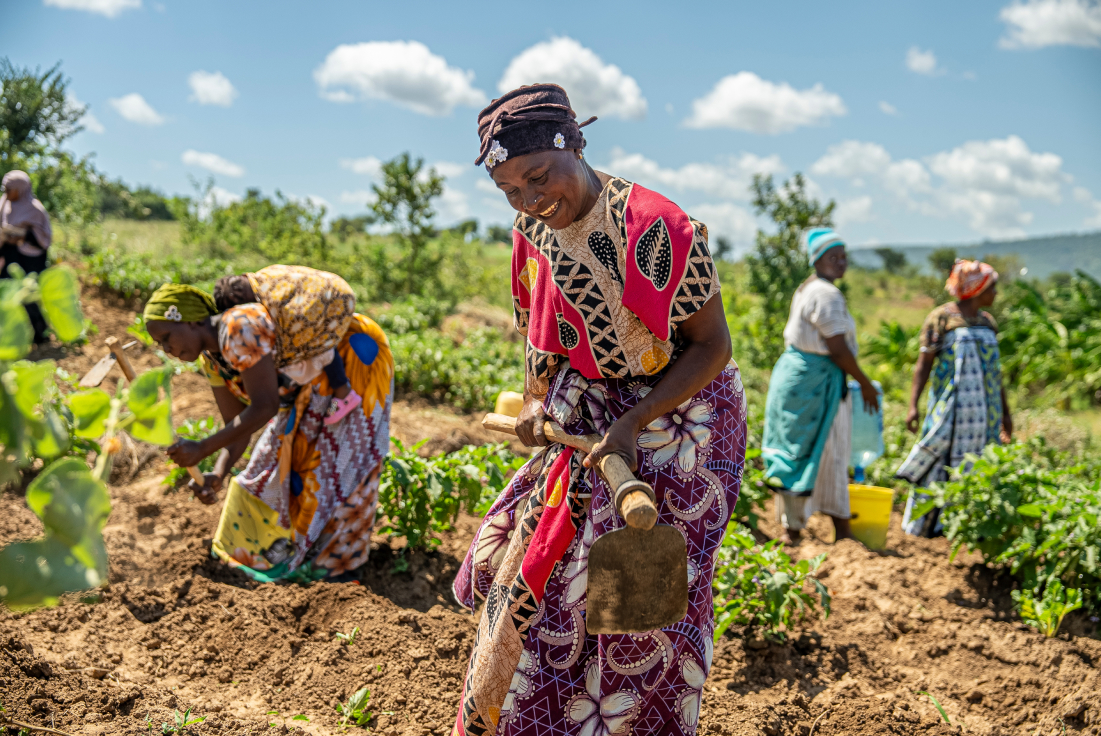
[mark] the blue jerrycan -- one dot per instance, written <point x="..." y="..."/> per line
<point x="867" y="431"/>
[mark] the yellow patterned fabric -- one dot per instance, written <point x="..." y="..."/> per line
<point x="312" y="309"/>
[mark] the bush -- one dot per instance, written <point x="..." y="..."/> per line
<point x="132" y="275"/>
<point x="759" y="585"/>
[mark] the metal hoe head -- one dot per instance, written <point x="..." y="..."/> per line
<point x="638" y="581"/>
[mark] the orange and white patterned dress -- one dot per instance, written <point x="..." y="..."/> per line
<point x="305" y="505"/>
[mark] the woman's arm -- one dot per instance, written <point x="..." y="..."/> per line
<point x="262" y="385"/>
<point x="922" y="369"/>
<point x="529" y="423"/>
<point x="229" y="406"/>
<point x="706" y="352"/>
<point x="846" y="361"/>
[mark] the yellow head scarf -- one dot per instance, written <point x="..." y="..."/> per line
<point x="179" y="303"/>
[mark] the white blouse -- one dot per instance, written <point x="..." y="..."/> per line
<point x="818" y="311"/>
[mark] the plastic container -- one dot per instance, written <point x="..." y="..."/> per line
<point x="871" y="514"/>
<point x="509" y="403"/>
<point x="867" y="431"/>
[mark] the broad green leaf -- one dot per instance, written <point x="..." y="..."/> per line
<point x="32" y="380"/>
<point x="154" y="425"/>
<point x="73" y="506"/>
<point x="12" y="453"/>
<point x="15" y="327"/>
<point x="60" y="294"/>
<point x="90" y="410"/>
<point x="37" y="573"/>
<point x="49" y="435"/>
<point x="1031" y="510"/>
<point x="145" y="391"/>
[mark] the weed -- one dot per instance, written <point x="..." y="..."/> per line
<point x="348" y="639"/>
<point x="936" y="703"/>
<point x="1046" y="614"/>
<point x="299" y="717"/>
<point x="354" y="711"/>
<point x="181" y="722"/>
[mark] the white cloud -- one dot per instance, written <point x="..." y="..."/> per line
<point x="359" y="197"/>
<point x="982" y="181"/>
<point x="726" y="219"/>
<point x="594" y="87"/>
<point x="452" y="205"/>
<point x="216" y="197"/>
<point x="1038" y="23"/>
<point x="368" y="165"/>
<point x="887" y="108"/>
<point x="922" y="62"/>
<point x="88" y="120"/>
<point x="109" y="8"/>
<point x="403" y="72"/>
<point x="487" y="186"/>
<point x="744" y="101"/>
<point x="134" y="108"/>
<point x="451" y="169"/>
<point x="212" y="162"/>
<point x="729" y="180"/>
<point x="849" y="211"/>
<point x="211" y="88"/>
<point x="1084" y="196"/>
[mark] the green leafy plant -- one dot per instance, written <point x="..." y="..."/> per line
<point x="181" y="722"/>
<point x="348" y="639"/>
<point x="299" y="717"/>
<point x="354" y="711"/>
<point x="760" y="585"/>
<point x="1046" y="614"/>
<point x="940" y="709"/>
<point x="422" y="496"/>
<point x="193" y="429"/>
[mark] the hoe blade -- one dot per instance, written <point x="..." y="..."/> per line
<point x="638" y="581"/>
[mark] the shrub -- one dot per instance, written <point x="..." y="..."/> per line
<point x="132" y="275"/>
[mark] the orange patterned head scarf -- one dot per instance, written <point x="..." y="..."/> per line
<point x="969" y="279"/>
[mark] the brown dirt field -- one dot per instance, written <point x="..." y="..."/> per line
<point x="176" y="630"/>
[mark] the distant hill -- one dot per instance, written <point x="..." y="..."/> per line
<point x="1042" y="255"/>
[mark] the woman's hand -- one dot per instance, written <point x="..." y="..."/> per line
<point x="912" y="418"/>
<point x="622" y="440"/>
<point x="529" y="424"/>
<point x="208" y="492"/>
<point x="870" y="396"/>
<point x="187" y="453"/>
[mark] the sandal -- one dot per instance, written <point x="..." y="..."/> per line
<point x="339" y="408"/>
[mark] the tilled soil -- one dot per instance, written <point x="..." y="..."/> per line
<point x="176" y="630"/>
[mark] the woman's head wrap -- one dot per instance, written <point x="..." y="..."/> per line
<point x="534" y="118"/>
<point x="25" y="212"/>
<point x="179" y="303"/>
<point x="969" y="279"/>
<point x="818" y="240"/>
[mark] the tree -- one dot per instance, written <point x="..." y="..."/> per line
<point x="942" y="260"/>
<point x="893" y="260"/>
<point x="403" y="202"/>
<point x="345" y="227"/>
<point x="779" y="263"/>
<point x="499" y="234"/>
<point x="723" y="248"/>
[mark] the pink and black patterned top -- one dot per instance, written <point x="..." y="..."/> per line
<point x="609" y="291"/>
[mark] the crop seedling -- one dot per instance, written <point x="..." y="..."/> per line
<point x="759" y="585"/>
<point x="354" y="712"/>
<point x="938" y="705"/>
<point x="299" y="717"/>
<point x="348" y="639"/>
<point x="181" y="722"/>
<point x="1046" y="614"/>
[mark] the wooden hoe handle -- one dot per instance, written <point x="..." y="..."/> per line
<point x="634" y="499"/>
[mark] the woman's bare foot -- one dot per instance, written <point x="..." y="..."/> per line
<point x="343" y="391"/>
<point x="842" y="529"/>
<point x="791" y="537"/>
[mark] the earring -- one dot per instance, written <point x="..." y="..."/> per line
<point x="580" y="156"/>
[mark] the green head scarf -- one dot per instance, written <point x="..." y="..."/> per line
<point x="179" y="303"/>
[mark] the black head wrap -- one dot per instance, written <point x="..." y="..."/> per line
<point x="533" y="118"/>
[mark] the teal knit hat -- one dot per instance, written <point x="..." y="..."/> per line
<point x="818" y="240"/>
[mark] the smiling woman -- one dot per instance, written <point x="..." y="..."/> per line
<point x="282" y="348"/>
<point x="614" y="288"/>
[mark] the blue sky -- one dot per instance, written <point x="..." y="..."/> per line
<point x="927" y="121"/>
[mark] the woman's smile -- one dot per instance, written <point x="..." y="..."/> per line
<point x="549" y="212"/>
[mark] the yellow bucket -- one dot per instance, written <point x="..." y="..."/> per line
<point x="871" y="514"/>
<point x="509" y="403"/>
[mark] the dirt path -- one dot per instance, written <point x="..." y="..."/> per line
<point x="176" y="630"/>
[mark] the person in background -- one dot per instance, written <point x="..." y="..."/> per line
<point x="25" y="236"/>
<point x="808" y="412"/>
<point x="304" y="506"/>
<point x="967" y="407"/>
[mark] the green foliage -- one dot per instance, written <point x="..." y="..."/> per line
<point x="894" y="261"/>
<point x="133" y="274"/>
<point x="181" y="722"/>
<point x="73" y="506"/>
<point x="59" y="292"/>
<point x="942" y="260"/>
<point x="889" y="355"/>
<point x="760" y="585"/>
<point x="468" y="375"/>
<point x="348" y="639"/>
<point x="937" y="704"/>
<point x="354" y="711"/>
<point x="116" y="199"/>
<point x="403" y="202"/>
<point x="1051" y="341"/>
<point x="779" y="263"/>
<point x="345" y="227"/>
<point x="756" y="489"/>
<point x="1046" y="614"/>
<point x="422" y="496"/>
<point x="413" y="314"/>
<point x="1030" y="509"/>
<point x="193" y="429"/>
